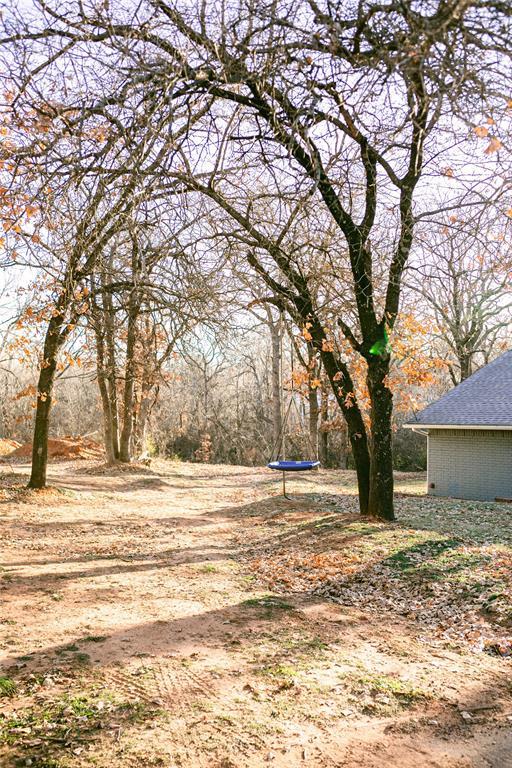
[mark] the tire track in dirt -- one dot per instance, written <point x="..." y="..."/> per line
<point x="180" y="686"/>
<point x="182" y="689"/>
<point x="130" y="684"/>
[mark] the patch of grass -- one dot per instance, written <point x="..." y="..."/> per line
<point x="71" y="648"/>
<point x="270" y="602"/>
<point x="7" y="687"/>
<point x="225" y="719"/>
<point x="72" y="721"/>
<point x="94" y="639"/>
<point x="208" y="569"/>
<point x="408" y="559"/>
<point x="299" y="644"/>
<point x="138" y="711"/>
<point x="279" y="671"/>
<point x="82" y="658"/>
<point x="81" y="706"/>
<point x="398" y="690"/>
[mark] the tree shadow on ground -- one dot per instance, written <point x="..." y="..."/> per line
<point x="241" y="629"/>
<point x="210" y="628"/>
<point x="167" y="559"/>
<point x="238" y="628"/>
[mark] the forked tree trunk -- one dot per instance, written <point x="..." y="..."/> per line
<point x="465" y="362"/>
<point x="380" y="502"/>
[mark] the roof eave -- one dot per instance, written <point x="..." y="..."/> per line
<point x="420" y="425"/>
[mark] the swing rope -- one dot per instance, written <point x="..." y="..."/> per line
<point x="283" y="464"/>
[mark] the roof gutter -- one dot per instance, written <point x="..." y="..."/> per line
<point x="416" y="429"/>
<point x="495" y="427"/>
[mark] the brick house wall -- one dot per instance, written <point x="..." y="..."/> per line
<point x="470" y="463"/>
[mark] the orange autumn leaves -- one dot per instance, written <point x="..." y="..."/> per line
<point x="304" y="570"/>
<point x="486" y="131"/>
<point x="413" y="369"/>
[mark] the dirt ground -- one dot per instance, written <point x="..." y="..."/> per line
<point x="140" y="627"/>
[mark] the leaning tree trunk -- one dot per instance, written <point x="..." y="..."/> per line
<point x="360" y="449"/>
<point x="344" y="391"/>
<point x="53" y="342"/>
<point x="380" y="503"/>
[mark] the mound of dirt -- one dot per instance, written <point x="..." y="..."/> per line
<point x="64" y="448"/>
<point x="8" y="446"/>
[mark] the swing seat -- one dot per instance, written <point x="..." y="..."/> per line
<point x="293" y="466"/>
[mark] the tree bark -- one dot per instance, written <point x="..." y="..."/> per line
<point x="314" y="411"/>
<point x="54" y="340"/>
<point x="357" y="436"/>
<point x="140" y="424"/>
<point x="98" y="317"/>
<point x="126" y="433"/>
<point x="110" y="357"/>
<point x="277" y="415"/>
<point x="344" y="392"/>
<point x="380" y="502"/>
<point x="108" y="435"/>
<point x="323" y="448"/>
<point x="465" y="364"/>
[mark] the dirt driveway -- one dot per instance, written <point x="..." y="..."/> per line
<point x="137" y="631"/>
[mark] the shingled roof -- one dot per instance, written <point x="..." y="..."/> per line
<point x="482" y="400"/>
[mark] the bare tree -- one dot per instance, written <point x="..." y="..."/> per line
<point x="354" y="107"/>
<point x="466" y="288"/>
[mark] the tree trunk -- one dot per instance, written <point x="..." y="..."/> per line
<point x="108" y="435"/>
<point x="355" y="426"/>
<point x="314" y="411"/>
<point x="465" y="365"/>
<point x="380" y="502"/>
<point x="101" y="372"/>
<point x="110" y="356"/>
<point x="52" y="344"/>
<point x="126" y="434"/>
<point x="344" y="457"/>
<point x="323" y="448"/>
<point x="140" y="426"/>
<point x="360" y="452"/>
<point x="277" y="414"/>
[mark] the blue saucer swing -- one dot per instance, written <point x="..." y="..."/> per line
<point x="285" y="465"/>
<point x="293" y="466"/>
